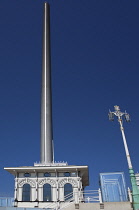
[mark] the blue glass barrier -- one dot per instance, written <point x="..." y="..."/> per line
<point x="113" y="187"/>
<point x="6" y="201"/>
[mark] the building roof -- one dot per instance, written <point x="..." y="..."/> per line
<point x="30" y="169"/>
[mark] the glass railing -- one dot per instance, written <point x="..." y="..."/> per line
<point x="6" y="201"/>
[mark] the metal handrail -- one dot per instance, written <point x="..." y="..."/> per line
<point x="56" y="205"/>
<point x="70" y="196"/>
<point x="90" y="196"/>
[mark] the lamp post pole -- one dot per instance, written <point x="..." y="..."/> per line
<point x="135" y="190"/>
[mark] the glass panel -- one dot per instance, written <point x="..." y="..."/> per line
<point x="47" y="192"/>
<point x="68" y="191"/>
<point x="47" y="174"/>
<point x="113" y="187"/>
<point x="6" y="202"/>
<point x="67" y="174"/>
<point x="73" y="174"/>
<point x="27" y="175"/>
<point x="26" y="192"/>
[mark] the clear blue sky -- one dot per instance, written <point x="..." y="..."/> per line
<point x="95" y="65"/>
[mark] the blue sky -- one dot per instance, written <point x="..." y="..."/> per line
<point x="95" y="65"/>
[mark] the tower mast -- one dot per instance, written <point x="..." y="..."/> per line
<point x="46" y="96"/>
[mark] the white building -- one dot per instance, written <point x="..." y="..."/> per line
<point x="46" y="186"/>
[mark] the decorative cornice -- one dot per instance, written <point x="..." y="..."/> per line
<point x="26" y="181"/>
<point x="64" y="181"/>
<point x="47" y="181"/>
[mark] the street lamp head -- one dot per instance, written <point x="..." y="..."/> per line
<point x="117" y="108"/>
<point x="127" y="117"/>
<point x="111" y="116"/>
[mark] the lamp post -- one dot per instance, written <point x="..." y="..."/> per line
<point x="135" y="190"/>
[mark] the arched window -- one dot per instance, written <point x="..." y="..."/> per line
<point x="67" y="174"/>
<point x="68" y="191"/>
<point x="26" y="192"/>
<point x="26" y="174"/>
<point x="47" y="192"/>
<point x="47" y="174"/>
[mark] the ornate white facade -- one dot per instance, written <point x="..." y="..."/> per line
<point x="76" y="176"/>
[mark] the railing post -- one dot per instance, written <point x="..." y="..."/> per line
<point x="100" y="196"/>
<point x="80" y="196"/>
<point x="88" y="199"/>
<point x="76" y="196"/>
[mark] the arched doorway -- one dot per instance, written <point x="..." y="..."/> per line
<point x="47" y="193"/>
<point x="26" y="192"/>
<point x="68" y="191"/>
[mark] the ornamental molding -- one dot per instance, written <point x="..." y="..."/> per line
<point x="68" y="180"/>
<point x="26" y="181"/>
<point x="47" y="181"/>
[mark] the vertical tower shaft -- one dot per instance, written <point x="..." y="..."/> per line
<point x="46" y="101"/>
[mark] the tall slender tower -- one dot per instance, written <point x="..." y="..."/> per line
<point x="46" y="184"/>
<point x="46" y="101"/>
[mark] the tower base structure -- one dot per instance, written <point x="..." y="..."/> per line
<point x="49" y="186"/>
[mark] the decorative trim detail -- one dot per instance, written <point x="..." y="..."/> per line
<point x="47" y="181"/>
<point x="68" y="180"/>
<point x="26" y="181"/>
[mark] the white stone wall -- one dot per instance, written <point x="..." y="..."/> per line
<point x="107" y="206"/>
<point x="83" y="206"/>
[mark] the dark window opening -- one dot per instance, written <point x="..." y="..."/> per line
<point x="27" y="175"/>
<point x="68" y="191"/>
<point x="47" y="174"/>
<point x="26" y="192"/>
<point x="47" y="193"/>
<point x="67" y="174"/>
<point x="73" y="174"/>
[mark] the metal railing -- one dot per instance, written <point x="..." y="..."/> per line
<point x="68" y="200"/>
<point x="90" y="196"/>
<point x="87" y="196"/>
